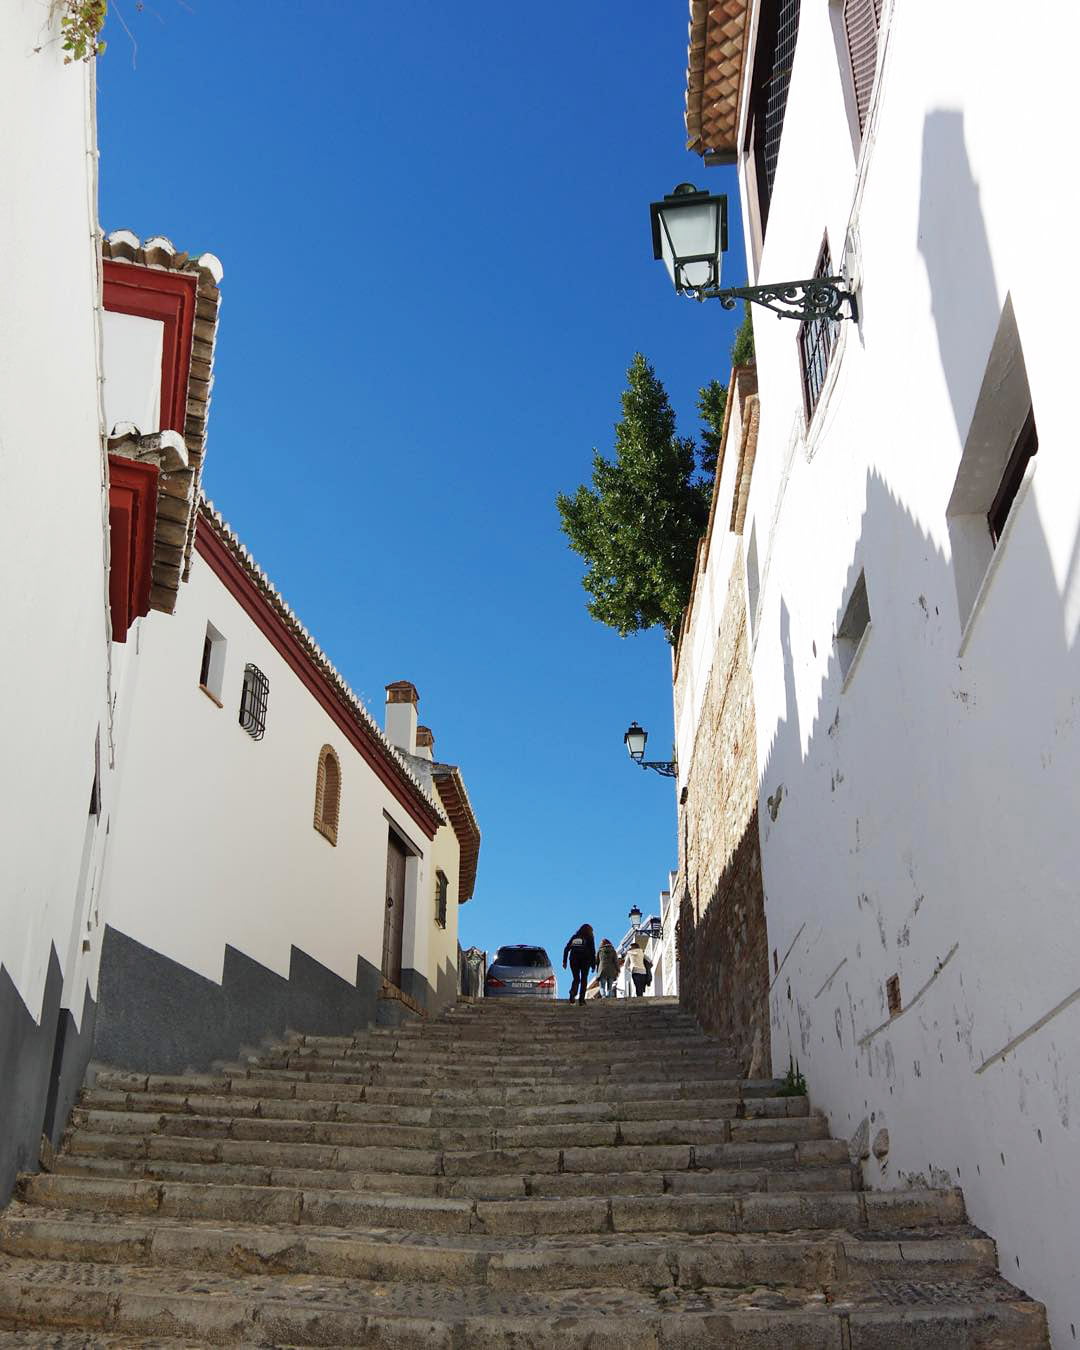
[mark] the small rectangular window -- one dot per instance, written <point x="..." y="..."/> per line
<point x="892" y="994"/>
<point x="817" y="338"/>
<point x="1027" y="444"/>
<point x="253" y="701"/>
<point x="212" y="665"/>
<point x="853" y="625"/>
<point x="441" y="886"/>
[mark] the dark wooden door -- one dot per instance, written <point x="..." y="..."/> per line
<point x="394" y="923"/>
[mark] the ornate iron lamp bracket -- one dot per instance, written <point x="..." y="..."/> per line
<point x="818" y="298"/>
<point x="666" y="768"/>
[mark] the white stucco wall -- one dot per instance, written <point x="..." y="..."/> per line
<point x="213" y="839"/>
<point x="52" y="565"/>
<point x="927" y="826"/>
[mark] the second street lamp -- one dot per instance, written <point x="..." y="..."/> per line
<point x="689" y="232"/>
<point x="634" y="739"/>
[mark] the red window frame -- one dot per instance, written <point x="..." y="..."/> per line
<point x="148" y="293"/>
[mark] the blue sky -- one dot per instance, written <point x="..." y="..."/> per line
<point x="433" y="221"/>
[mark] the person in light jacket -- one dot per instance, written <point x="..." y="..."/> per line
<point x="581" y="951"/>
<point x="640" y="967"/>
<point x="607" y="967"/>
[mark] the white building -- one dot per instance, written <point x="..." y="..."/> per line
<point x="54" y="685"/>
<point x="277" y="860"/>
<point x="913" y="587"/>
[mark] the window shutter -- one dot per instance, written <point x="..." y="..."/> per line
<point x="861" y="20"/>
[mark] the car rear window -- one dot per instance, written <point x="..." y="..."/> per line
<point x="522" y="956"/>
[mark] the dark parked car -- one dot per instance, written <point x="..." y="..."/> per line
<point x="520" y="970"/>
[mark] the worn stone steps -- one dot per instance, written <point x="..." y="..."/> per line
<point x="714" y="1213"/>
<point x="327" y="1310"/>
<point x="238" y="1103"/>
<point x="510" y="1177"/>
<point x="689" y="1261"/>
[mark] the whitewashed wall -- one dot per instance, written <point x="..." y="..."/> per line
<point x="213" y="841"/>
<point x="52" y="565"/>
<point x="927" y="823"/>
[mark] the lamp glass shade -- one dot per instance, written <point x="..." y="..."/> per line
<point x="635" y="916"/>
<point x="689" y="235"/>
<point x="635" y="739"/>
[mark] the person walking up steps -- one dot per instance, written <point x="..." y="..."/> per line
<point x="640" y="968"/>
<point x="607" y="967"/>
<point x="581" y="950"/>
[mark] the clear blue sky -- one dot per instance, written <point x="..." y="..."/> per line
<point x="433" y="221"/>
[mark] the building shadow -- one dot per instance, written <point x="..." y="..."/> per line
<point x="953" y="241"/>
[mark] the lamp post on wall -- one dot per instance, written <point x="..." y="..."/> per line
<point x="634" y="739"/>
<point x="689" y="232"/>
<point x="635" y="918"/>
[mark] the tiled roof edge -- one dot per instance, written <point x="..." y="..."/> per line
<point x="277" y="601"/>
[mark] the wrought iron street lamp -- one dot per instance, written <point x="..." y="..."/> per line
<point x="689" y="231"/>
<point x="634" y="916"/>
<point x="634" y="739"/>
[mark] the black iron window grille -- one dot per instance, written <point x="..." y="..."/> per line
<point x="441" y="887"/>
<point x="778" y="32"/>
<point x="817" y="338"/>
<point x="253" y="701"/>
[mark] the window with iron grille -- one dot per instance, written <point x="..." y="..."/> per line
<point x="862" y="22"/>
<point x="817" y="338"/>
<point x="441" y="887"/>
<point x="253" y="701"/>
<point x="778" y="31"/>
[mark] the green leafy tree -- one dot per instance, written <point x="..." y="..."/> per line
<point x="638" y="526"/>
<point x="742" y="349"/>
<point x="712" y="401"/>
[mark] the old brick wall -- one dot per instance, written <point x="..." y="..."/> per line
<point x="723" y="946"/>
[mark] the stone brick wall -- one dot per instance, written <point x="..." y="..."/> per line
<point x="723" y="946"/>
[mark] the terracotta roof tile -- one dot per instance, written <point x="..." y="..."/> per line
<point x="719" y="37"/>
<point x="455" y="800"/>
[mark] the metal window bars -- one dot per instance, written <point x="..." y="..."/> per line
<point x="817" y="338"/>
<point x="253" y="701"/>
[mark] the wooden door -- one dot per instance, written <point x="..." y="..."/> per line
<point x="394" y="923"/>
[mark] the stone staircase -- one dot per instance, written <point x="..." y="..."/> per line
<point x="513" y="1174"/>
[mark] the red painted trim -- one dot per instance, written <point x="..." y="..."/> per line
<point x="150" y="293"/>
<point x="220" y="559"/>
<point x="132" y="517"/>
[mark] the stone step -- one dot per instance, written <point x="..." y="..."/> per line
<point x="414" y="1138"/>
<point x="393" y="1074"/>
<point x="837" y="1260"/>
<point x="328" y="1310"/>
<point x="238" y="1104"/>
<point x="295" y="1205"/>
<point x="362" y="1164"/>
<point x="251" y="1084"/>
<point x="494" y="1186"/>
<point x="677" y="1063"/>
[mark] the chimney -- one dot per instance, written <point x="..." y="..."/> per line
<point x="401" y="703"/>
<point x="425" y="743"/>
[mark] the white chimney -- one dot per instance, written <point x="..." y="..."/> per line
<point x="401" y="704"/>
<point x="425" y="743"/>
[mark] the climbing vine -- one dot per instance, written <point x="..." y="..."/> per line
<point x="81" y="22"/>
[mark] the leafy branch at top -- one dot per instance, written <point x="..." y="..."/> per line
<point x="81" y="22"/>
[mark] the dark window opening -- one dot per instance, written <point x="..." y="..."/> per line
<point x="207" y="652"/>
<point x="892" y="993"/>
<point x="1027" y="444"/>
<point x="441" y="886"/>
<point x="817" y="338"/>
<point x="253" y="701"/>
<point x="778" y="31"/>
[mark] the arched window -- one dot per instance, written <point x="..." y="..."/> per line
<point x="328" y="793"/>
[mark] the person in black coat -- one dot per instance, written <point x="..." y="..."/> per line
<point x="581" y="951"/>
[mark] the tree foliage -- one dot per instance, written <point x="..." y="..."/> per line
<point x="712" y="401"/>
<point x="638" y="525"/>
